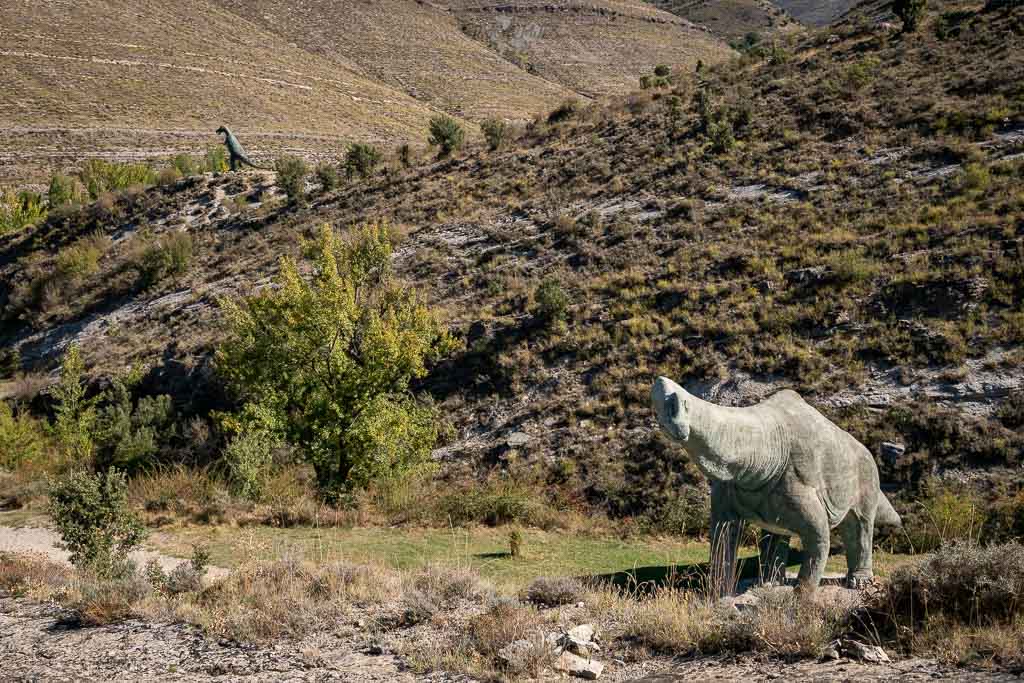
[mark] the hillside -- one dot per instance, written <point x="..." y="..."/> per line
<point x="816" y="12"/>
<point x="131" y="80"/>
<point x="731" y="19"/>
<point x="121" y="79"/>
<point x="845" y="219"/>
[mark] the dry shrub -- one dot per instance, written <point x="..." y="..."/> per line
<point x="554" y="591"/>
<point x="450" y="584"/>
<point x="105" y="601"/>
<point x="783" y="625"/>
<point x="184" y="491"/>
<point x="506" y="622"/>
<point x="669" y="620"/>
<point x="31" y="575"/>
<point x="965" y="603"/>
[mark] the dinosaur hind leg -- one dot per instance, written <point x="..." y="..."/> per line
<point x="857" y="532"/>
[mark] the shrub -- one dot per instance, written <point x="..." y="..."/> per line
<point x="361" y="159"/>
<point x="909" y="12"/>
<point x="185" y="165"/>
<point x="64" y="190"/>
<point x="328" y="176"/>
<point x="128" y="435"/>
<point x="22" y="438"/>
<point x="19" y="210"/>
<point x="326" y="363"/>
<point x="97" y="526"/>
<point x="495" y="132"/>
<point x="662" y="71"/>
<point x="944" y="514"/>
<point x="248" y="457"/>
<point x="965" y="581"/>
<point x="99" y="176"/>
<point x="405" y="155"/>
<point x="168" y="255"/>
<point x="721" y="135"/>
<point x="291" y="177"/>
<point x="553" y="592"/>
<point x="216" y="159"/>
<point x="552" y="303"/>
<point x="75" y="420"/>
<point x="82" y="258"/>
<point x="446" y="134"/>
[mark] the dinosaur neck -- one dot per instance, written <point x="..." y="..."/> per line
<point x="730" y="444"/>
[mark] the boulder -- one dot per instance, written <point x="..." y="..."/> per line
<point x="872" y="654"/>
<point x="589" y="669"/>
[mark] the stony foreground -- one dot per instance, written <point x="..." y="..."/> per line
<point x="41" y="642"/>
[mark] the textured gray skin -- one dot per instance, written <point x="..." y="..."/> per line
<point x="786" y="468"/>
<point x="235" y="149"/>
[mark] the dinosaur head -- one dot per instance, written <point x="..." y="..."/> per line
<point x="223" y="130"/>
<point x="669" y="402"/>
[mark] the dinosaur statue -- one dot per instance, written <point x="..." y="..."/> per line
<point x="235" y="149"/>
<point x="786" y="468"/>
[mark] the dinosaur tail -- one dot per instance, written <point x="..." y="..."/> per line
<point x="885" y="514"/>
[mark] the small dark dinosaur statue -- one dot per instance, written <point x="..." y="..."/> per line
<point x="235" y="149"/>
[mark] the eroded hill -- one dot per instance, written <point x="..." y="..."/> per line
<point x="844" y="219"/>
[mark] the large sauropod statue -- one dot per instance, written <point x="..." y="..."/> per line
<point x="784" y="467"/>
<point x="235" y="149"/>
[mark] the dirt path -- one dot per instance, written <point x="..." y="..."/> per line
<point x="36" y="539"/>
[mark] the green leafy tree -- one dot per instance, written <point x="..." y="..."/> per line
<point x="75" y="421"/>
<point x="446" y="134"/>
<point x="97" y="525"/>
<point x="326" y="363"/>
<point x="328" y="176"/>
<point x="909" y="12"/>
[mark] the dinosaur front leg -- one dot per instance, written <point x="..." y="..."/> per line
<point x="726" y="529"/>
<point x="858" y="537"/>
<point x="774" y="554"/>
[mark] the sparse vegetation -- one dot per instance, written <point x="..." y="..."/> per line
<point x="328" y="176"/>
<point x="909" y="12"/>
<point x="446" y="134"/>
<point x="19" y="210"/>
<point x="496" y="133"/>
<point x="361" y="160"/>
<point x="291" y="177"/>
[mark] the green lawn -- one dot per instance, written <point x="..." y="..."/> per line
<point x="556" y="553"/>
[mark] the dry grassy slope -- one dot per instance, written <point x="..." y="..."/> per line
<point x="593" y="47"/>
<point x="416" y="48"/>
<point x="142" y="77"/>
<point x="731" y="19"/>
<point x="863" y="243"/>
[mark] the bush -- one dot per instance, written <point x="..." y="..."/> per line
<point x="169" y="255"/>
<point x="185" y="165"/>
<point x="552" y="303"/>
<point x="93" y="518"/>
<point x="291" y="177"/>
<point x="328" y="176"/>
<point x="82" y="258"/>
<point x="361" y="160"/>
<point x="129" y="435"/>
<point x="495" y="132"/>
<point x="22" y="438"/>
<point x="19" y="210"/>
<point x="64" y="190"/>
<point x="216" y="159"/>
<point x="75" y="419"/>
<point x="446" y="134"/>
<point x="326" y="363"/>
<point x="553" y="592"/>
<point x="248" y="457"/>
<point x="909" y="12"/>
<point x="721" y="135"/>
<point x="405" y="155"/>
<point x="99" y="176"/>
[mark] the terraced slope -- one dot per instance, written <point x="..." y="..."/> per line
<point x="731" y="19"/>
<point x="594" y="47"/>
<point x="414" y="47"/>
<point x="146" y="78"/>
